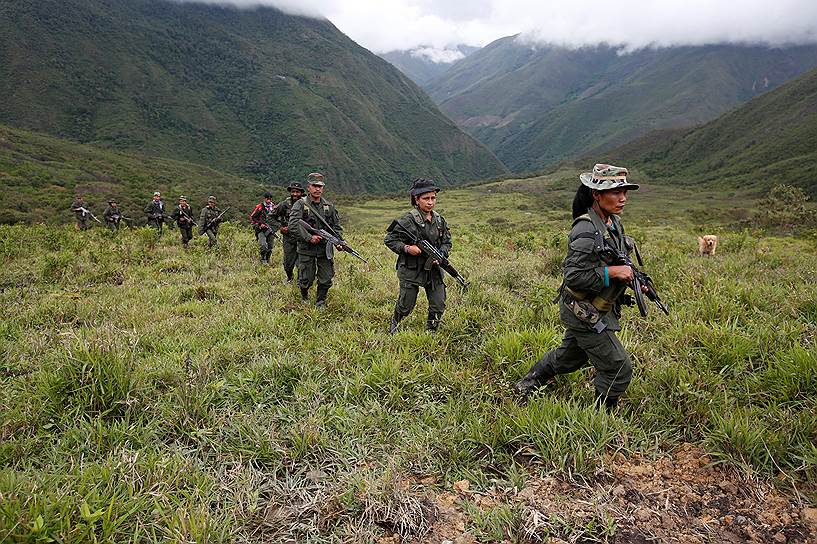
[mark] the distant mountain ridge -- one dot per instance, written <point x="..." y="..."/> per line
<point x="536" y="106"/>
<point x="253" y="92"/>
<point x="770" y="140"/>
<point x="419" y="67"/>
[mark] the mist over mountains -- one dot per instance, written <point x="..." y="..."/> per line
<point x="254" y="92"/>
<point x="422" y="64"/>
<point x="538" y="105"/>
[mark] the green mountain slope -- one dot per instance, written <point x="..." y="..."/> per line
<point x="535" y="107"/>
<point x="770" y="140"/>
<point x="40" y="174"/>
<point x="254" y="92"/>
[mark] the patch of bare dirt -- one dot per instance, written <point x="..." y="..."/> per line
<point x="683" y="498"/>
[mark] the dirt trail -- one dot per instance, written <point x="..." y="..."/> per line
<point x="682" y="498"/>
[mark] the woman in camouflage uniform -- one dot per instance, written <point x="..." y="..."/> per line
<point x="591" y="293"/>
<point x="414" y="270"/>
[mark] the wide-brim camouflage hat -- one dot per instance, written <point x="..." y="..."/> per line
<point x="295" y="185"/>
<point x="422" y="186"/>
<point x="607" y="176"/>
<point x="315" y="178"/>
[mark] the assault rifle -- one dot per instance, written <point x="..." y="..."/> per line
<point x="115" y="219"/>
<point x="163" y="218"/>
<point x="431" y="252"/>
<point x="332" y="239"/>
<point x="614" y="257"/>
<point x="86" y="211"/>
<point x="270" y="230"/>
<point x="187" y="216"/>
<point x="208" y="225"/>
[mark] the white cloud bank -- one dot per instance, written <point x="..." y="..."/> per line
<point x="437" y="25"/>
<point x="439" y="56"/>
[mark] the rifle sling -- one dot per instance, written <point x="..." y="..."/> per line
<point x="319" y="215"/>
<point x="421" y="235"/>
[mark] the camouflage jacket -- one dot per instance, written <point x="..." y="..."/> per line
<point x="306" y="210"/>
<point x="183" y="216"/>
<point x="411" y="268"/>
<point x="154" y="210"/>
<point x="208" y="215"/>
<point x="77" y="207"/>
<point x="585" y="273"/>
<point x="282" y="212"/>
<point x="112" y="215"/>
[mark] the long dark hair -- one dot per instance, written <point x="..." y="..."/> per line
<point x="582" y="201"/>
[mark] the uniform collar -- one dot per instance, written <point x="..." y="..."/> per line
<point x="419" y="217"/>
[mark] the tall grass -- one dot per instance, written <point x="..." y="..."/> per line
<point x="151" y="393"/>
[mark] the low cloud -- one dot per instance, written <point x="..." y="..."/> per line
<point x="440" y="25"/>
<point x="439" y="56"/>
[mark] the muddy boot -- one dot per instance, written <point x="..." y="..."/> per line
<point x="537" y="376"/>
<point x="433" y="321"/>
<point x="320" y="298"/>
<point x="304" y="294"/>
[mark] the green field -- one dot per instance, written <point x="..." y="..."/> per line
<point x="153" y="394"/>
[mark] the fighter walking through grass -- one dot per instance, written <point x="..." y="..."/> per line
<point x="414" y="269"/>
<point x="592" y="291"/>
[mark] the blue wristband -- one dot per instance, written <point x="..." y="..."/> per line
<point x="606" y="277"/>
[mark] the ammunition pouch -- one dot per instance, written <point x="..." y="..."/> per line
<point x="584" y="310"/>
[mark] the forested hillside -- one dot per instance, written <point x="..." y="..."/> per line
<point x="537" y="105"/>
<point x="770" y="140"/>
<point x="254" y="92"/>
<point x="40" y="175"/>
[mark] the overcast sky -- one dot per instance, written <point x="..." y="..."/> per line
<point x="385" y="25"/>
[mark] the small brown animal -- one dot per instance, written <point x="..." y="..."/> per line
<point x="707" y="244"/>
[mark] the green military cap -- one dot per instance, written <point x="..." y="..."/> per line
<point x="315" y="178"/>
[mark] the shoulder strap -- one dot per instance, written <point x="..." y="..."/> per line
<point x="418" y="218"/>
<point x="597" y="235"/>
<point x="320" y="217"/>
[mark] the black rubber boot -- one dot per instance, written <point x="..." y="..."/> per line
<point x="289" y="276"/>
<point x="433" y="321"/>
<point x="320" y="298"/>
<point x="609" y="403"/>
<point x="537" y="376"/>
<point x="396" y="317"/>
<point x="304" y="294"/>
